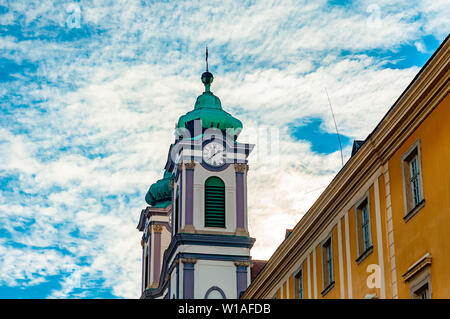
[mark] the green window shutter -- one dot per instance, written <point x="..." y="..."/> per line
<point x="214" y="202"/>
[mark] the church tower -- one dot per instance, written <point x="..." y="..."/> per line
<point x="196" y="242"/>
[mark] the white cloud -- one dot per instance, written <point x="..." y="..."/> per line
<point x="102" y="108"/>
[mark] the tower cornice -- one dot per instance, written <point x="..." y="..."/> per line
<point x="241" y="167"/>
<point x="188" y="260"/>
<point x="189" y="165"/>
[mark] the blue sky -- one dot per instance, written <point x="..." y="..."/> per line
<point x="90" y="92"/>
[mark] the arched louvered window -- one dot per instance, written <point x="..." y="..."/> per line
<point x="214" y="202"/>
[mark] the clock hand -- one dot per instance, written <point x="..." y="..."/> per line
<point x="214" y="154"/>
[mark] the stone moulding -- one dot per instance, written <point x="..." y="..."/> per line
<point x="188" y="260"/>
<point x="190" y="165"/>
<point x="241" y="167"/>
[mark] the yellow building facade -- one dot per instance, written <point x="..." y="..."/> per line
<point x="381" y="229"/>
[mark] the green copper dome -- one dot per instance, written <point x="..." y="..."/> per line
<point x="159" y="193"/>
<point x="208" y="109"/>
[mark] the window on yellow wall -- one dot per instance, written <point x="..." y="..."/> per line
<point x="412" y="181"/>
<point x="278" y="294"/>
<point x="418" y="276"/>
<point x="298" y="282"/>
<point x="364" y="240"/>
<point x="422" y="293"/>
<point x="327" y="265"/>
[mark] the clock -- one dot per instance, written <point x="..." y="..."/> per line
<point x="214" y="154"/>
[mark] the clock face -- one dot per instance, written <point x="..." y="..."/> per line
<point x="214" y="154"/>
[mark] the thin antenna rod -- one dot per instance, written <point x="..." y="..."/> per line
<point x="335" y="125"/>
<point x="207" y="59"/>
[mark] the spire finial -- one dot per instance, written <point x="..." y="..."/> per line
<point x="207" y="77"/>
<point x="207" y="59"/>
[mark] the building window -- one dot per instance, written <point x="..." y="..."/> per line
<point x="214" y="202"/>
<point x="418" y="276"/>
<point x="422" y="293"/>
<point x="364" y="241"/>
<point x="146" y="269"/>
<point x="327" y="265"/>
<point x="176" y="214"/>
<point x="412" y="181"/>
<point x="299" y="285"/>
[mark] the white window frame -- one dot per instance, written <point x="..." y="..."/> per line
<point x="421" y="281"/>
<point x="362" y="253"/>
<point x="410" y="209"/>
<point x="326" y="289"/>
<point x="298" y="280"/>
<point x="418" y="276"/>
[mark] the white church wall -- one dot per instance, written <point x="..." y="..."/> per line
<point x="180" y="292"/>
<point x="165" y="242"/>
<point x="173" y="283"/>
<point x="210" y="273"/>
